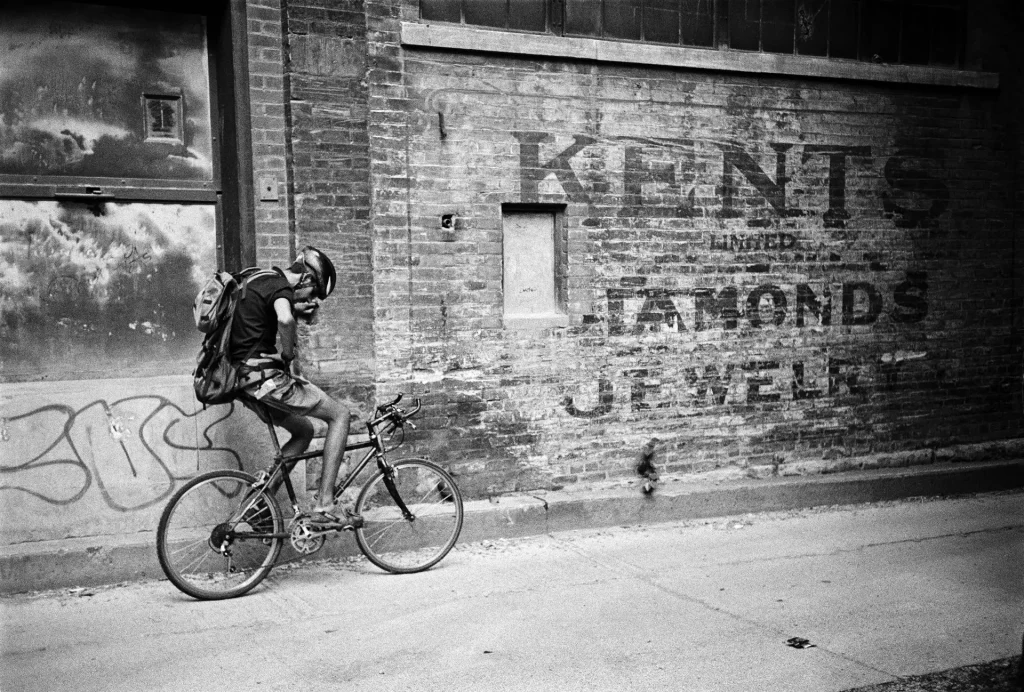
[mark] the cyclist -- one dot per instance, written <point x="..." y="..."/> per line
<point x="268" y="310"/>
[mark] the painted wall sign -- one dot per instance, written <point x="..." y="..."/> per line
<point x="916" y="197"/>
<point x="762" y="305"/>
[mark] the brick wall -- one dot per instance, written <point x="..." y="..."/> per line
<point x="329" y="157"/>
<point x="269" y="131"/>
<point x="773" y="275"/>
<point x="1007" y="54"/>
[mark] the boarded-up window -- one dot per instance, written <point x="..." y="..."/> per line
<point x="88" y="296"/>
<point x="534" y="266"/>
<point x="109" y="199"/>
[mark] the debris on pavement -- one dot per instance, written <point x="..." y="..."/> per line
<point x="646" y="468"/>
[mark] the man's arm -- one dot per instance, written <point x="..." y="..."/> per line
<point x="286" y="328"/>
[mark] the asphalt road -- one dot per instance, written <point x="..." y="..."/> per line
<point x="880" y="596"/>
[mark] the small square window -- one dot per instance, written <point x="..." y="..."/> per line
<point x="163" y="118"/>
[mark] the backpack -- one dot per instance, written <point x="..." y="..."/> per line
<point x="215" y="379"/>
<point x="212" y="301"/>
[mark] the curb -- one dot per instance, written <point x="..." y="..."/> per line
<point x="80" y="562"/>
<point x="525" y="515"/>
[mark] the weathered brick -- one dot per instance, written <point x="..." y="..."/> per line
<point x="762" y="272"/>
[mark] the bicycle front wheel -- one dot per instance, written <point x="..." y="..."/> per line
<point x="418" y="536"/>
<point x="216" y="536"/>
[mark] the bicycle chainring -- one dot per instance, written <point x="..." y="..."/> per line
<point x="305" y="540"/>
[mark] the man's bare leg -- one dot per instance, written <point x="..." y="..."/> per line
<point x="300" y="430"/>
<point x="337" y="418"/>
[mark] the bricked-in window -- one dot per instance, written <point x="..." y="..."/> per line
<point x="917" y="32"/>
<point x="534" y="262"/>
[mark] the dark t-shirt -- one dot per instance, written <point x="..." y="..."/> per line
<point x="256" y="320"/>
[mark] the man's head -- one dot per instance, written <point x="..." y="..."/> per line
<point x="316" y="272"/>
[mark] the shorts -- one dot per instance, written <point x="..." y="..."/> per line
<point x="283" y="395"/>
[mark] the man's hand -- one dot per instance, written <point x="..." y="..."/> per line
<point x="306" y="310"/>
<point x="289" y="365"/>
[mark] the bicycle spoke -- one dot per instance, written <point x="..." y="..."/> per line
<point x="191" y="547"/>
<point x="199" y="559"/>
<point x="379" y="535"/>
<point x="199" y="549"/>
<point x="395" y="543"/>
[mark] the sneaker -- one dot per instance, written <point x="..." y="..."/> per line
<point x="325" y="518"/>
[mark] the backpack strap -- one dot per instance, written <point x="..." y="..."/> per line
<point x="244" y="277"/>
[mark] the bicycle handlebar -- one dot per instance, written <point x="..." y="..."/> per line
<point x="391" y="409"/>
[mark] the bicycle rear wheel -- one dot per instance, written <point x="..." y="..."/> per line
<point x="403" y="543"/>
<point x="215" y="537"/>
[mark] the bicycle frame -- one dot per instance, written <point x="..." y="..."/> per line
<point x="283" y="466"/>
<point x="223" y="531"/>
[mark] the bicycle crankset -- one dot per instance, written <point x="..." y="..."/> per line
<point x="307" y="540"/>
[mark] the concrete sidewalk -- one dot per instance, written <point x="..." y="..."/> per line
<point x="108" y="560"/>
<point x="813" y="600"/>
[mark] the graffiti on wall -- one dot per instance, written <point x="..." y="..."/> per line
<point x="90" y="90"/>
<point x="85" y="295"/>
<point x="135" y="450"/>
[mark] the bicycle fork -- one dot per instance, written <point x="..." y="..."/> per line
<point x="389" y="483"/>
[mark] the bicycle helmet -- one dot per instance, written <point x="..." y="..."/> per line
<point x="321" y="268"/>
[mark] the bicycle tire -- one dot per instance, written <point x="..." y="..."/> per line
<point x="396" y="543"/>
<point x="203" y="539"/>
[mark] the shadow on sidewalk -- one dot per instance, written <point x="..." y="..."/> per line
<point x="1003" y="675"/>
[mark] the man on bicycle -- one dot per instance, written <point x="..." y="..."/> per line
<point x="267" y="312"/>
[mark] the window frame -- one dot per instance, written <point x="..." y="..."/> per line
<point x="722" y="30"/>
<point x="231" y="188"/>
<point x="462" y="38"/>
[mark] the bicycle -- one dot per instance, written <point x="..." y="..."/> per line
<point x="221" y="533"/>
